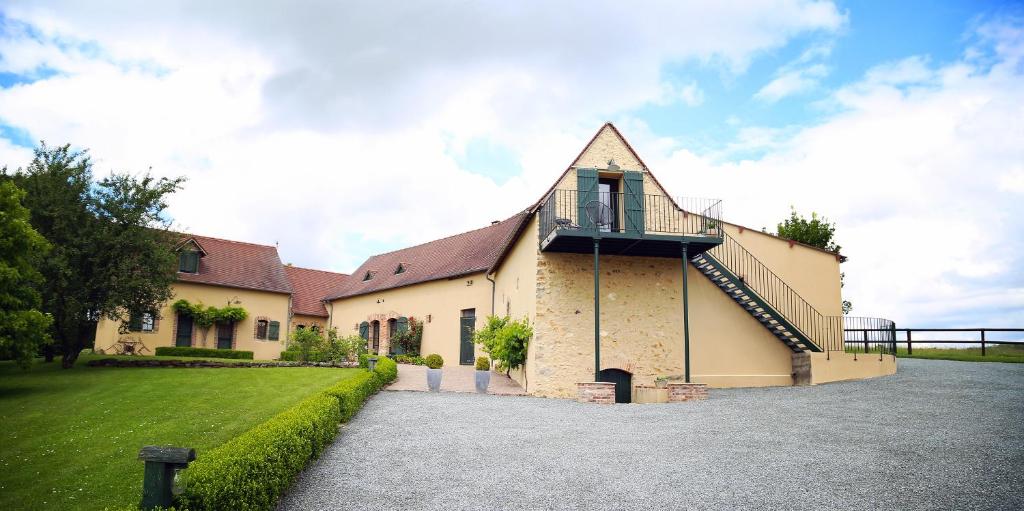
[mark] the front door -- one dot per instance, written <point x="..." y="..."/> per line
<point x="375" y="336"/>
<point x="622" y="381"/>
<point x="467" y="325"/>
<point x="225" y="335"/>
<point x="184" y="336"/>
<point x="608" y="194"/>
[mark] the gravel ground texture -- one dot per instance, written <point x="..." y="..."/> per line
<point x="937" y="435"/>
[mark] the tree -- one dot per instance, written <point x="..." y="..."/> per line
<point x="23" y="327"/>
<point x="506" y="341"/>
<point x="817" y="232"/>
<point x="112" y="254"/>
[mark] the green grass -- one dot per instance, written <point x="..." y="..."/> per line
<point x="993" y="353"/>
<point x="69" y="439"/>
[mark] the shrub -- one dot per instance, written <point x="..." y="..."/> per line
<point x="290" y="356"/>
<point x="483" y="364"/>
<point x="434" y="361"/>
<point x="415" y="360"/>
<point x="387" y="371"/>
<point x="364" y="359"/>
<point x="251" y="471"/>
<point x="506" y="341"/>
<point x="175" y="351"/>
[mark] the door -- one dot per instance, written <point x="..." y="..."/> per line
<point x="608" y="195"/>
<point x="184" y="336"/>
<point x="225" y="335"/>
<point x="623" y="383"/>
<point x="375" y="336"/>
<point x="467" y="324"/>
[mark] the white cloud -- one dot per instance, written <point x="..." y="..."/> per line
<point x="331" y="128"/>
<point x="691" y="94"/>
<point x="921" y="167"/>
<point x="790" y="82"/>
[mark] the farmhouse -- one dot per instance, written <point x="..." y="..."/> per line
<point x="621" y="282"/>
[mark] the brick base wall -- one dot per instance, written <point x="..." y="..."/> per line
<point x="595" y="392"/>
<point x="679" y="392"/>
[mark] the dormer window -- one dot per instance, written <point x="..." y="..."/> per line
<point x="369" y="275"/>
<point x="188" y="261"/>
<point x="400" y="269"/>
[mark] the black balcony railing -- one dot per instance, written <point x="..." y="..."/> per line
<point x="621" y="213"/>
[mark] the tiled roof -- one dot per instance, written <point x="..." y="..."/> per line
<point x="310" y="287"/>
<point x="237" y="264"/>
<point x="454" y="256"/>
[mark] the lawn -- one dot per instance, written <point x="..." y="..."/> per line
<point x="993" y="353"/>
<point x="69" y="438"/>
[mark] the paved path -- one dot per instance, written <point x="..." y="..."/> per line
<point x="937" y="435"/>
<point x="458" y="378"/>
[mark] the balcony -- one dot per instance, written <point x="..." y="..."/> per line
<point x="627" y="224"/>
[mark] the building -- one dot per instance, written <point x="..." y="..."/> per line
<point x="621" y="282"/>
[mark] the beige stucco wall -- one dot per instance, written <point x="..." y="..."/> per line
<point x="442" y="300"/>
<point x="837" y="365"/>
<point x="641" y="327"/>
<point x="516" y="286"/>
<point x="258" y="304"/>
<point x="605" y="146"/>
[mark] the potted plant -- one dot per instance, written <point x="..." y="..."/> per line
<point x="661" y="382"/>
<point x="434" y="363"/>
<point x="711" y="229"/>
<point x="483" y="374"/>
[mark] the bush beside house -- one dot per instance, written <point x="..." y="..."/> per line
<point x="174" y="351"/>
<point x="254" y="469"/>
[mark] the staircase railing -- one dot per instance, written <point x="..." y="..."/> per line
<point x="824" y="331"/>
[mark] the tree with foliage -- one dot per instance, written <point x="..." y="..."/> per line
<point x="204" y="317"/>
<point x="817" y="232"/>
<point x="506" y="341"/>
<point x="23" y="327"/>
<point x="112" y="255"/>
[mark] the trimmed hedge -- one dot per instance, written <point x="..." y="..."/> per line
<point x="175" y="351"/>
<point x="251" y="471"/>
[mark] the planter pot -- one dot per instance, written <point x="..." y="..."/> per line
<point x="712" y="232"/>
<point x="661" y="384"/>
<point x="434" y="379"/>
<point x="483" y="379"/>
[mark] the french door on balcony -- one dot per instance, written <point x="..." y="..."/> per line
<point x="608" y="195"/>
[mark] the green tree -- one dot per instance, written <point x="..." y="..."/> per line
<point x="506" y="341"/>
<point x="112" y="255"/>
<point x="23" y="327"/>
<point x="817" y="232"/>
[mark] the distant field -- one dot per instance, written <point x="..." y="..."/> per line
<point x="69" y="439"/>
<point x="993" y="353"/>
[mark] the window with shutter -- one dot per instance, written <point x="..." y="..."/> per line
<point x="135" y="322"/>
<point x="261" y="329"/>
<point x="188" y="261"/>
<point x="402" y="324"/>
<point x="364" y="330"/>
<point x="275" y="330"/>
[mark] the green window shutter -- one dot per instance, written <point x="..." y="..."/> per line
<point x="182" y="261"/>
<point x="135" y="322"/>
<point x="275" y="330"/>
<point x="634" y="183"/>
<point x="403" y="324"/>
<point x="364" y="330"/>
<point x="188" y="261"/>
<point x="586" y="191"/>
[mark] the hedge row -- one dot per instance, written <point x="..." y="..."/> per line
<point x="252" y="470"/>
<point x="175" y="351"/>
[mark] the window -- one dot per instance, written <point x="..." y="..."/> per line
<point x="315" y="328"/>
<point x="274" y="330"/>
<point x="400" y="269"/>
<point x="368" y="275"/>
<point x="188" y="261"/>
<point x="145" y="322"/>
<point x="262" y="326"/>
<point x="301" y="327"/>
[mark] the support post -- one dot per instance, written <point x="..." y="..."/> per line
<point x="983" y="342"/>
<point x="865" y="340"/>
<point x="597" y="311"/>
<point x="686" y="318"/>
<point x="158" y="478"/>
<point x="910" y="343"/>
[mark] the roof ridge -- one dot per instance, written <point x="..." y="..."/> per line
<point x="227" y="240"/>
<point x="315" y="269"/>
<point x="441" y="239"/>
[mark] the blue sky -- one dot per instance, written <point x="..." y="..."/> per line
<point x="369" y="127"/>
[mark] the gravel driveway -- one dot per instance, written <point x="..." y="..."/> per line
<point x="937" y="435"/>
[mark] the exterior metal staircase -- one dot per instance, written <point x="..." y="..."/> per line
<point x="767" y="298"/>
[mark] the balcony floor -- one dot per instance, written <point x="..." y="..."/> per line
<point x="581" y="241"/>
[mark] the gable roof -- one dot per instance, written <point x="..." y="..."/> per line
<point x="310" y="287"/>
<point x="462" y="254"/>
<point x="237" y="264"/>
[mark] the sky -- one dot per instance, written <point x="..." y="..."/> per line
<point x="343" y="129"/>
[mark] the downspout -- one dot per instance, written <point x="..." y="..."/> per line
<point x="686" y="318"/>
<point x="493" y="285"/>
